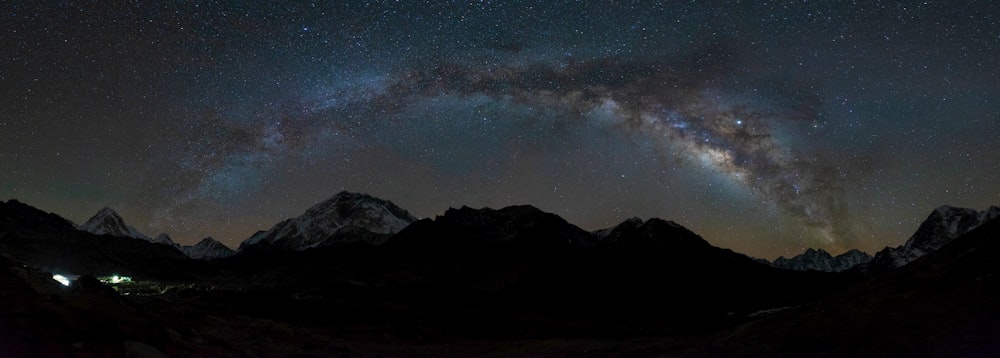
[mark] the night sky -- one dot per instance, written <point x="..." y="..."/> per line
<point x="766" y="127"/>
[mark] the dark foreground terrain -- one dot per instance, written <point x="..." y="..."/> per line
<point x="511" y="282"/>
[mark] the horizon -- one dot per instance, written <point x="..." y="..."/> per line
<point x="235" y="244"/>
<point x="767" y="129"/>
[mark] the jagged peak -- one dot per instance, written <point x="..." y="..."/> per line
<point x="349" y="194"/>
<point x="337" y="201"/>
<point x="208" y="249"/>
<point x="821" y="260"/>
<point x="670" y="223"/>
<point x="654" y="233"/>
<point x="854" y="252"/>
<point x="208" y="241"/>
<point x="633" y="221"/>
<point x="948" y="209"/>
<point x="105" y="213"/>
<point x="465" y="209"/>
<point x="822" y="251"/>
<point x="945" y="207"/>
<point x="945" y="210"/>
<point x="107" y="222"/>
<point x="514" y="210"/>
<point x="164" y="239"/>
<point x="990" y="213"/>
<point x="353" y="196"/>
<point x="327" y="220"/>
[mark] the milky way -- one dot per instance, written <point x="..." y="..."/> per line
<point x="767" y="128"/>
<point x="649" y="99"/>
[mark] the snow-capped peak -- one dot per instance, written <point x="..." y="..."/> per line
<point x="820" y="260"/>
<point x="955" y="220"/>
<point x="345" y="217"/>
<point x="108" y="222"/>
<point x="943" y="225"/>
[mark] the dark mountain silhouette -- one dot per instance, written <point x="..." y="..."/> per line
<point x="515" y="226"/>
<point x="645" y="271"/>
<point x="207" y="249"/>
<point x="165" y="239"/>
<point x="654" y="234"/>
<point x="521" y="272"/>
<point x="945" y="303"/>
<point x="473" y="281"/>
<point x="54" y="244"/>
<point x="15" y="214"/>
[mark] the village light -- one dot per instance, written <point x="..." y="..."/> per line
<point x="61" y="279"/>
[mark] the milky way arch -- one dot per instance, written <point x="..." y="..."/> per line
<point x="674" y="106"/>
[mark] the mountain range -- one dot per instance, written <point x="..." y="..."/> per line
<point x="820" y="260"/>
<point x="941" y="226"/>
<point x="360" y="218"/>
<point x="344" y="218"/>
<point x="54" y="244"/>
<point x="356" y="275"/>
<point x="108" y="222"/>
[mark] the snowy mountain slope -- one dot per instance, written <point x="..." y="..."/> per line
<point x="820" y="260"/>
<point x="108" y="222"/>
<point x="942" y="226"/>
<point x="346" y="217"/>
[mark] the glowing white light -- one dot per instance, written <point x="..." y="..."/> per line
<point x="116" y="279"/>
<point x="61" y="279"/>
